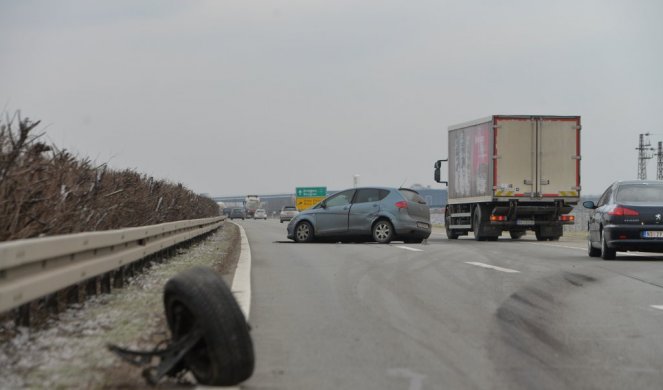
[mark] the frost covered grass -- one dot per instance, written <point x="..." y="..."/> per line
<point x="71" y="352"/>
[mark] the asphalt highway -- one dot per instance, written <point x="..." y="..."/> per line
<point x="452" y="314"/>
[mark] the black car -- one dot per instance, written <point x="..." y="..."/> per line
<point x="627" y="217"/>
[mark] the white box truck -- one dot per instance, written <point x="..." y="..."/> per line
<point x="512" y="173"/>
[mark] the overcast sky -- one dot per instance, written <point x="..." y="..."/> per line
<point x="236" y="97"/>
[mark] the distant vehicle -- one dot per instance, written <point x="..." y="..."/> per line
<point x="260" y="214"/>
<point x="237" y="212"/>
<point x="227" y="210"/>
<point x="288" y="213"/>
<point x="251" y="204"/>
<point x="380" y="213"/>
<point x="512" y="173"/>
<point x="627" y="217"/>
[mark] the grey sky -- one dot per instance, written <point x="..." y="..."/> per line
<point x="236" y="97"/>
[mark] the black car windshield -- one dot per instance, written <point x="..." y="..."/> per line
<point x="640" y="193"/>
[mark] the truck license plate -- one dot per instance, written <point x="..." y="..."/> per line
<point x="652" y="234"/>
<point x="525" y="222"/>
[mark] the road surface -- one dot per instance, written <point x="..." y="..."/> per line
<point x="450" y="314"/>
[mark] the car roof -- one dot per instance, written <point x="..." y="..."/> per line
<point x="623" y="182"/>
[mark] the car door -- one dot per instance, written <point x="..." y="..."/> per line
<point x="332" y="219"/>
<point x="365" y="208"/>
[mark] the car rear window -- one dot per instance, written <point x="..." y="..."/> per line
<point x="412" y="196"/>
<point x="640" y="193"/>
<point x="289" y="208"/>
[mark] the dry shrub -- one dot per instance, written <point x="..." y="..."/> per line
<point x="46" y="191"/>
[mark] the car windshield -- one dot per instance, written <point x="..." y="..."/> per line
<point x="640" y="193"/>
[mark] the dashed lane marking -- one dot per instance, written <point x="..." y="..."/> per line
<point x="409" y="248"/>
<point x="507" y="270"/>
<point x="659" y="307"/>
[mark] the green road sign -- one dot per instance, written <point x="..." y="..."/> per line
<point x="311" y="192"/>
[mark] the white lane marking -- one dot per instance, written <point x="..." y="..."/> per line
<point x="409" y="248"/>
<point x="659" y="307"/>
<point x="557" y="246"/>
<point x="511" y="271"/>
<point x="241" y="286"/>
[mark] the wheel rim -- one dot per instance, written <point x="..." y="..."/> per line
<point x="303" y="232"/>
<point x="382" y="232"/>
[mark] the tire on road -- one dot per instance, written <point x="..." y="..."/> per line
<point x="199" y="299"/>
<point x="591" y="251"/>
<point x="304" y="232"/>
<point x="606" y="252"/>
<point x="383" y="231"/>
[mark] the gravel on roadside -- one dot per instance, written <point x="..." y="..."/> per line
<point x="70" y="351"/>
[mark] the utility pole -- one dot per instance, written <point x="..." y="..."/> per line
<point x="643" y="149"/>
<point x="659" y="171"/>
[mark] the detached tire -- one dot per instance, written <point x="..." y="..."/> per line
<point x="199" y="298"/>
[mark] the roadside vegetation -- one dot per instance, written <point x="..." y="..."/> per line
<point x="47" y="191"/>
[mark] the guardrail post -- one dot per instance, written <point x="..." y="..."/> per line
<point x="118" y="278"/>
<point x="91" y="287"/>
<point x="73" y="294"/>
<point x="106" y="283"/>
<point x="23" y="315"/>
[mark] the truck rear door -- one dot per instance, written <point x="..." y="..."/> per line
<point x="514" y="159"/>
<point x="559" y="157"/>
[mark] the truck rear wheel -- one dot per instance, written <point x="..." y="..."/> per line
<point x="477" y="224"/>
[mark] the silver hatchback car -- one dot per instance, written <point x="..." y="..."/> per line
<point x="380" y="213"/>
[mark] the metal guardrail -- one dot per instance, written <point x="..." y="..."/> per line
<point x="34" y="268"/>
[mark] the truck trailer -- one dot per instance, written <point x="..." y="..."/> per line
<point x="512" y="173"/>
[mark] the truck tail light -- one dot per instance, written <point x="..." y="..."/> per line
<point x="567" y="218"/>
<point x="620" y="211"/>
<point x="498" y="218"/>
<point x="401" y="205"/>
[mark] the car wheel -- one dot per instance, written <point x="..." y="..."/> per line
<point x="304" y="232"/>
<point x="198" y="299"/>
<point x="606" y="252"/>
<point x="591" y="251"/>
<point x="383" y="231"/>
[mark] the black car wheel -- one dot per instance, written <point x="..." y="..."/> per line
<point x="607" y="253"/>
<point x="383" y="231"/>
<point x="303" y="232"/>
<point x="591" y="251"/>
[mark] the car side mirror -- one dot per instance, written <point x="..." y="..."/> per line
<point x="323" y="205"/>
<point x="589" y="204"/>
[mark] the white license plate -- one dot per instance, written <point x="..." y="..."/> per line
<point x="652" y="234"/>
<point x="525" y="222"/>
<point x="422" y="225"/>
